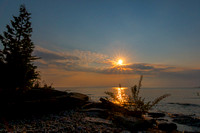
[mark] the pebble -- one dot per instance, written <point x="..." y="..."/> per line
<point x="67" y="121"/>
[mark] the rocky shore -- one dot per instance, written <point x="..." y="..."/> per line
<point x="73" y="112"/>
<point x="66" y="121"/>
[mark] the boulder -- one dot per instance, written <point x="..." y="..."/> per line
<point x="93" y="105"/>
<point x="124" y="122"/>
<point x="143" y="125"/>
<point x="117" y="108"/>
<point x="79" y="96"/>
<point x="188" y="120"/>
<point x="156" y="115"/>
<point x="77" y="99"/>
<point x="41" y="101"/>
<point x="168" y="127"/>
<point x="132" y="123"/>
<point x="96" y="112"/>
<point x="98" y="120"/>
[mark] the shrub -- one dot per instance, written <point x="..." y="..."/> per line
<point x="39" y="85"/>
<point x="134" y="101"/>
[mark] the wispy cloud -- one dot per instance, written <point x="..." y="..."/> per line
<point x="75" y="60"/>
<point x="138" y="68"/>
<point x="63" y="64"/>
<point x="87" y="61"/>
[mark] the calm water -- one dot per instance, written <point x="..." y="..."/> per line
<point x="182" y="100"/>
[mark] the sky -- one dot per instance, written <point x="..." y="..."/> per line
<point x="81" y="41"/>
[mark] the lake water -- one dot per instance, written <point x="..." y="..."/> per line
<point x="182" y="100"/>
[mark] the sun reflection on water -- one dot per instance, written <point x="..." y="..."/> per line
<point x="121" y="97"/>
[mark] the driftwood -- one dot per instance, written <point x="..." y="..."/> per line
<point x="117" y="108"/>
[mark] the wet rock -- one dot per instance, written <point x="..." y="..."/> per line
<point x="186" y="120"/>
<point x="98" y="120"/>
<point x="186" y="104"/>
<point x="103" y="113"/>
<point x="156" y="115"/>
<point x="132" y="123"/>
<point x="167" y="127"/>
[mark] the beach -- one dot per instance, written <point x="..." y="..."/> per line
<point x="184" y="101"/>
<point x="66" y="121"/>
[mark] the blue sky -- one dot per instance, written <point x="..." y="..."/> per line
<point x="147" y="33"/>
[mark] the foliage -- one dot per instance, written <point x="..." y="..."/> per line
<point x="16" y="59"/>
<point x="38" y="84"/>
<point x="135" y="102"/>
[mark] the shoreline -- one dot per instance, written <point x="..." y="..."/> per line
<point x="87" y="116"/>
<point x="64" y="121"/>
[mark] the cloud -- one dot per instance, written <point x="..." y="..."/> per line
<point x="87" y="61"/>
<point x="188" y="74"/>
<point x="75" y="60"/>
<point x="63" y="65"/>
<point x="47" y="55"/>
<point x="137" y="68"/>
<point x="53" y="59"/>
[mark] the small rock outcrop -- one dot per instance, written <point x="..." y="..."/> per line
<point x="117" y="108"/>
<point x="97" y="112"/>
<point x="98" y="120"/>
<point x="77" y="99"/>
<point x="41" y="101"/>
<point x="168" y="127"/>
<point x="156" y="115"/>
<point x="186" y="120"/>
<point x="132" y="123"/>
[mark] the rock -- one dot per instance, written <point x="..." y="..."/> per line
<point x="132" y="123"/>
<point x="169" y="127"/>
<point x="79" y="96"/>
<point x="76" y="99"/>
<point x="142" y="125"/>
<point x="103" y="113"/>
<point x="98" y="120"/>
<point x="162" y="120"/>
<point x="116" y="108"/>
<point x="93" y="110"/>
<point x="125" y="131"/>
<point x="41" y="101"/>
<point x="79" y="128"/>
<point x="156" y="115"/>
<point x="93" y="105"/>
<point x="124" y="121"/>
<point x="186" y="120"/>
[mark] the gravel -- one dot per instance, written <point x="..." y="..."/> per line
<point x="66" y="121"/>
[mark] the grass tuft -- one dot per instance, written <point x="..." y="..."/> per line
<point x="134" y="101"/>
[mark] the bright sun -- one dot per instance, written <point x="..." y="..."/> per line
<point x="120" y="62"/>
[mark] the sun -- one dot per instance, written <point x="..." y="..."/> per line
<point x="120" y="62"/>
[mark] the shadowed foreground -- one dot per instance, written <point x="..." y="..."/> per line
<point x="38" y="102"/>
<point x="46" y="110"/>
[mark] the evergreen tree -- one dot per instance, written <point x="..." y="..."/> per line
<point x="16" y="60"/>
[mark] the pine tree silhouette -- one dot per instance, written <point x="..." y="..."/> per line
<point x="16" y="59"/>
